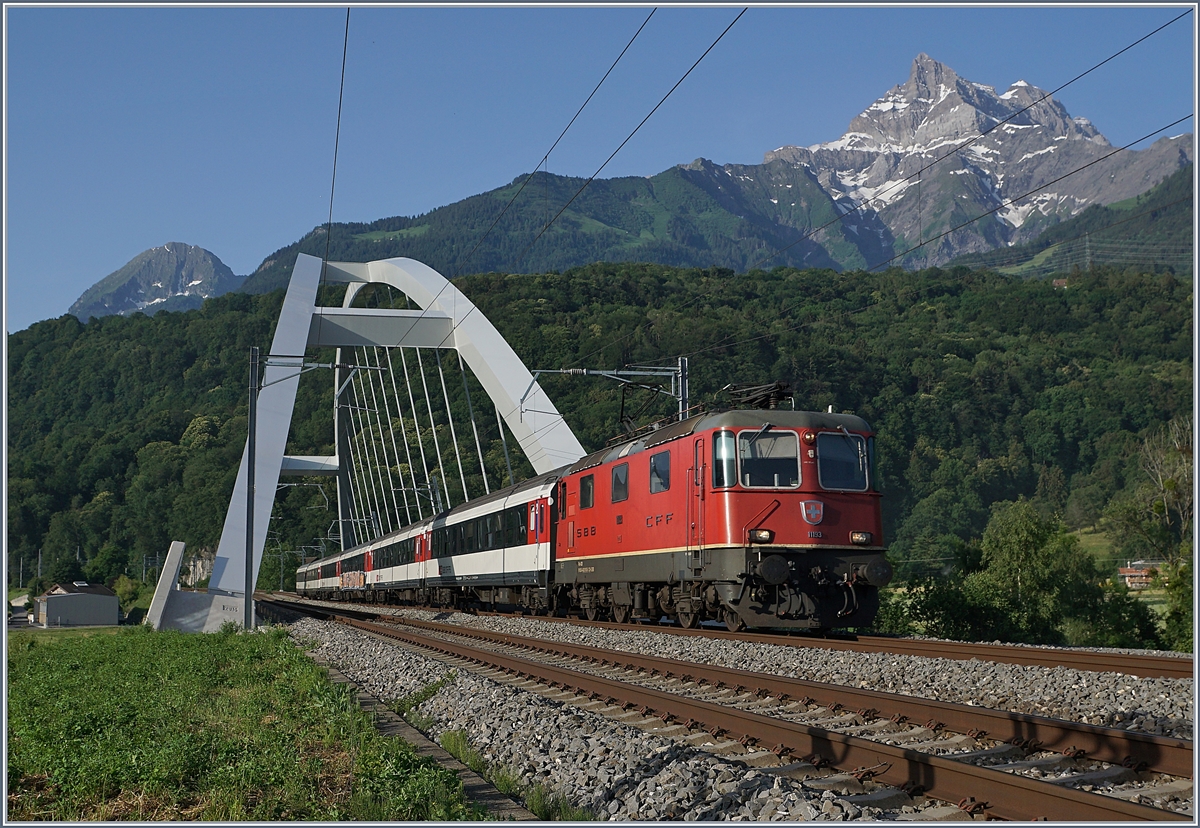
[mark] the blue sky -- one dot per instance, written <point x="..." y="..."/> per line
<point x="130" y="127"/>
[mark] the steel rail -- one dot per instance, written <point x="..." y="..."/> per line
<point x="1015" y="797"/>
<point x="1134" y="664"/>
<point x="1104" y="744"/>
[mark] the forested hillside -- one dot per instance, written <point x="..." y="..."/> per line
<point x="1152" y="231"/>
<point x="678" y="217"/>
<point x="983" y="388"/>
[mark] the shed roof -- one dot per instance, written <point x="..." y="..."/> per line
<point x="78" y="587"/>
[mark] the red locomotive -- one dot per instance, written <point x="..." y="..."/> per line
<point x="754" y="518"/>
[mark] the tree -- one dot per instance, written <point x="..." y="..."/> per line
<point x="1157" y="515"/>
<point x="64" y="569"/>
<point x="106" y="564"/>
<point x="1035" y="585"/>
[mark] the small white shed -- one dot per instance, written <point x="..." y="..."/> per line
<point x="77" y="604"/>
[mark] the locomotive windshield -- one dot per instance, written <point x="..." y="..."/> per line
<point x="769" y="459"/>
<point x="842" y="461"/>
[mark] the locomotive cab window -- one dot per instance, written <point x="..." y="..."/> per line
<point x="587" y="491"/>
<point x="660" y="472"/>
<point x="724" y="460"/>
<point x="769" y="459"/>
<point x="842" y="461"/>
<point x="620" y="483"/>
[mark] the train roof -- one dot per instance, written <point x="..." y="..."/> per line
<point x="741" y="418"/>
<point x="503" y="494"/>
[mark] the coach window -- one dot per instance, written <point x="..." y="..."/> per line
<point x="587" y="491"/>
<point x="620" y="483"/>
<point x="769" y="458"/>
<point x="660" y="472"/>
<point x="724" y="460"/>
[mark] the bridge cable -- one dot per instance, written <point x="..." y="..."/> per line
<point x="404" y="437"/>
<point x="487" y="489"/>
<point x="504" y="441"/>
<point x="379" y="419"/>
<point x="372" y="449"/>
<point x="433" y="427"/>
<point x="383" y="511"/>
<point x="450" y="420"/>
<point x="359" y="503"/>
<point x="392" y="434"/>
<point x="371" y="470"/>
<point x="369" y="495"/>
<point x="417" y="430"/>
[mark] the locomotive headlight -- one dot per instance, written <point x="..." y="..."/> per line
<point x="860" y="538"/>
<point x="809" y="438"/>
<point x="761" y="535"/>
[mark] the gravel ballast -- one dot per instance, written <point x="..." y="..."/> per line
<point x="620" y="772"/>
<point x="613" y="770"/>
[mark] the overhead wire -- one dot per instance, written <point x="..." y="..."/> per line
<point x="1013" y="259"/>
<point x="1009" y="202"/>
<point x="529" y="178"/>
<point x="630" y="136"/>
<point x="337" y="136"/>
<point x="545" y="157"/>
<point x="611" y="156"/>
<point x="962" y="146"/>
<point x="840" y="217"/>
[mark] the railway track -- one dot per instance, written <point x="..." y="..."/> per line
<point x="769" y="716"/>
<point x="1134" y="664"/>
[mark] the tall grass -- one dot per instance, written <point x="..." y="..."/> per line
<point x="160" y="725"/>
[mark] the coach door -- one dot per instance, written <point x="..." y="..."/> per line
<point x="696" y="504"/>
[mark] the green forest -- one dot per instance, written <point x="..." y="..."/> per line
<point x="1010" y="414"/>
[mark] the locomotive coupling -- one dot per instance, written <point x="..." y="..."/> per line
<point x="877" y="573"/>
<point x="774" y="569"/>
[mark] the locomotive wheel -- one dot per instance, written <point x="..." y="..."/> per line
<point x="620" y="613"/>
<point x="687" y="619"/>
<point x="733" y="621"/>
<point x="592" y="613"/>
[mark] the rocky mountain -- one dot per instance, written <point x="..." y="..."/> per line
<point x="1027" y="144"/>
<point x="175" y="276"/>
<point x="861" y="201"/>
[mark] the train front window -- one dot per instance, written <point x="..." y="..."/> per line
<point x="724" y="460"/>
<point x="842" y="463"/>
<point x="769" y="459"/>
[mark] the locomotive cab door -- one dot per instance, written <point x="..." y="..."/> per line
<point x="695" y="507"/>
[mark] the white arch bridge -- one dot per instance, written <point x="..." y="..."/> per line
<point x="391" y="466"/>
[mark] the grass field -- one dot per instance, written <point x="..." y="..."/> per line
<point x="132" y="724"/>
